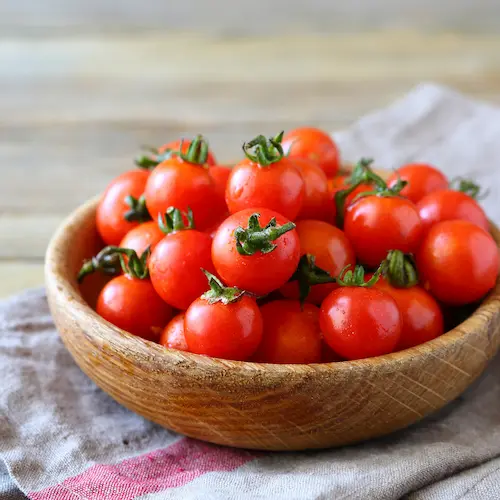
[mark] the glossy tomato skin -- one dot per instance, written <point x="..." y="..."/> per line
<point x="449" y="205"/>
<point x="458" y="262"/>
<point x="180" y="184"/>
<point x="258" y="273"/>
<point x="313" y="144"/>
<point x="175" y="145"/>
<point x="376" y="224"/>
<point x="421" y="315"/>
<point x="220" y="175"/>
<point x="422" y="179"/>
<point x="175" y="267"/>
<point x="333" y="252"/>
<point x="133" y="305"/>
<point x="317" y="202"/>
<point x="227" y="331"/>
<point x="360" y="322"/>
<point x="173" y="336"/>
<point x="278" y="187"/>
<point x="110" y="220"/>
<point x="143" y="236"/>
<point x="291" y="333"/>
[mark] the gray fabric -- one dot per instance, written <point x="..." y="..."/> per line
<point x="55" y="423"/>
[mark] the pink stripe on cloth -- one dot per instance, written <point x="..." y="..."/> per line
<point x="159" y="470"/>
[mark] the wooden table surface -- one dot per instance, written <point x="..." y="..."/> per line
<point x="76" y="105"/>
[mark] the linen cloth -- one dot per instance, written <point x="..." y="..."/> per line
<point x="63" y="438"/>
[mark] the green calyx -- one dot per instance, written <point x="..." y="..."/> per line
<point x="173" y="220"/>
<point x="197" y="152"/>
<point x="111" y="259"/>
<point x="149" y="160"/>
<point x="256" y="238"/>
<point x="265" y="151"/>
<point x="348" y="277"/>
<point x="309" y="274"/>
<point x="468" y="187"/>
<point x="138" y="211"/>
<point x="399" y="269"/>
<point x="220" y="293"/>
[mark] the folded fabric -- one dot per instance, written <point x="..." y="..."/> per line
<point x="61" y="437"/>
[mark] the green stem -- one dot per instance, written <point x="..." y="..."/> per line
<point x="399" y="269"/>
<point x="468" y="187"/>
<point x="173" y="220"/>
<point x="151" y="160"/>
<point x="348" y="277"/>
<point x="265" y="151"/>
<point x="219" y="293"/>
<point x="197" y="152"/>
<point x="309" y="274"/>
<point x="138" y="211"/>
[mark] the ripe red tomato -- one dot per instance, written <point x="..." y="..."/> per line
<point x="422" y="179"/>
<point x="421" y="315"/>
<point x="176" y="265"/>
<point x="133" y="305"/>
<point x="376" y="224"/>
<point x="332" y="250"/>
<point x="278" y="187"/>
<point x="458" y="262"/>
<point x="291" y="333"/>
<point x="449" y="205"/>
<point x="227" y="331"/>
<point x="337" y="183"/>
<point x="110" y="216"/>
<point x="257" y="271"/>
<point x="360" y="322"/>
<point x="184" y="182"/>
<point x="220" y="175"/>
<point x="143" y="236"/>
<point x="172" y="335"/>
<point x="317" y="202"/>
<point x="313" y="144"/>
<point x="175" y="146"/>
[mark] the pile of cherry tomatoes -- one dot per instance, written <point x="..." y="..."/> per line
<point x="281" y="259"/>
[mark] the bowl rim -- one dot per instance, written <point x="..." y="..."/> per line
<point x="66" y="287"/>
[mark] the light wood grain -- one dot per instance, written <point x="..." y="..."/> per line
<point x="76" y="105"/>
<point x="251" y="405"/>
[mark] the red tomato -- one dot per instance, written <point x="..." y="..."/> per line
<point x="291" y="333"/>
<point x="376" y="224"/>
<point x="183" y="184"/>
<point x="172" y="335"/>
<point x="227" y="331"/>
<point x="278" y="187"/>
<point x="220" y="175"/>
<point x="317" y="202"/>
<point x="421" y="315"/>
<point x="337" y="183"/>
<point x="313" y="144"/>
<point x="449" y="205"/>
<point x="143" y="236"/>
<point x="175" y="145"/>
<point x="328" y="355"/>
<point x="332" y="250"/>
<point x="259" y="273"/>
<point x="133" y="305"/>
<point x="110" y="215"/>
<point x="175" y="266"/>
<point x="360" y="322"/>
<point x="458" y="262"/>
<point x="422" y="179"/>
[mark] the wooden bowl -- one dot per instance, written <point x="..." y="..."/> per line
<point x="252" y="405"/>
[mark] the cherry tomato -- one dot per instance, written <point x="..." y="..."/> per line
<point x="332" y="250"/>
<point x="337" y="183"/>
<point x="172" y="335"/>
<point x="421" y="315"/>
<point x="449" y="205"/>
<point x="175" y="145"/>
<point x="422" y="179"/>
<point x="278" y="187"/>
<point x="313" y="144"/>
<point x="256" y="272"/>
<point x="110" y="215"/>
<point x="177" y="182"/>
<point x="360" y="322"/>
<point x="176" y="265"/>
<point x="227" y="331"/>
<point x="458" y="262"/>
<point x="376" y="224"/>
<point x="133" y="305"/>
<point x="317" y="202"/>
<point x="220" y="175"/>
<point x="291" y="333"/>
<point x="143" y="236"/>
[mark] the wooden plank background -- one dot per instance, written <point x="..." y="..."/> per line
<point x="84" y="84"/>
